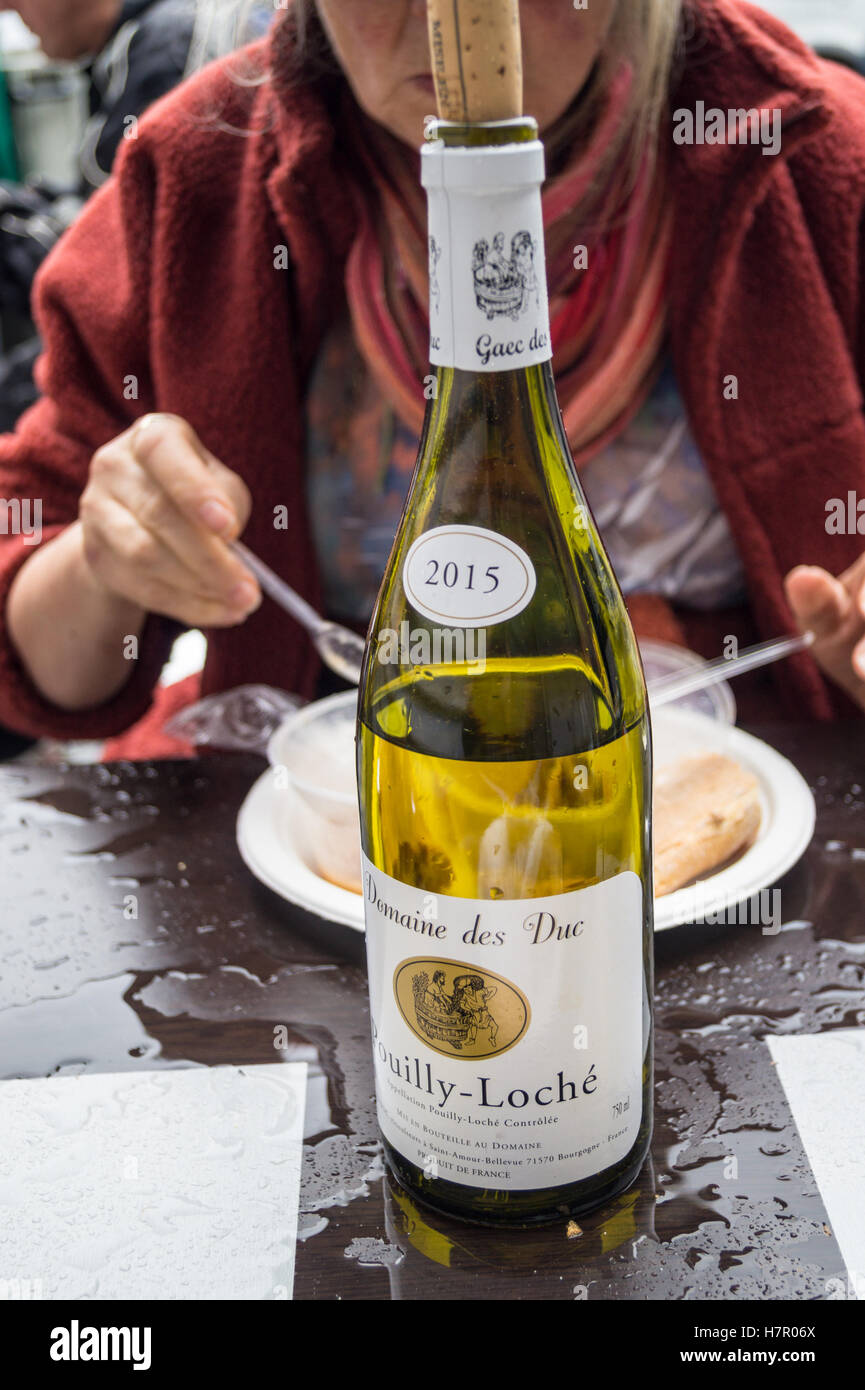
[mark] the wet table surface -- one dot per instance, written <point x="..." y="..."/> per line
<point x="133" y="937"/>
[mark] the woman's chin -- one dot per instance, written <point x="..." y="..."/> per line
<point x="407" y="120"/>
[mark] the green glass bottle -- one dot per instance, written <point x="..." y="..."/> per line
<point x="504" y="755"/>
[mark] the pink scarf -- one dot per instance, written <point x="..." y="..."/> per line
<point x="608" y="322"/>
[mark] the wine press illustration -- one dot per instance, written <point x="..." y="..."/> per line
<point x="505" y="285"/>
<point x="460" y="1010"/>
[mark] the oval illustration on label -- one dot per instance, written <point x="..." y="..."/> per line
<point x="458" y="1009"/>
<point x="466" y="576"/>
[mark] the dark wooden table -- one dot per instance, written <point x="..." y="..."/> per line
<point x="213" y="964"/>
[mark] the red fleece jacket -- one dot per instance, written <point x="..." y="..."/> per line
<point x="166" y="295"/>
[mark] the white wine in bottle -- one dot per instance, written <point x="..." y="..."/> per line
<point x="504" y="755"/>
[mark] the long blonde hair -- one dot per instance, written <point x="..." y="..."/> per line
<point x="646" y="35"/>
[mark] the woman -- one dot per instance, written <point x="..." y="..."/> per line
<point x="253" y="283"/>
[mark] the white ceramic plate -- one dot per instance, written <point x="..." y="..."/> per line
<point x="785" y="832"/>
<point x="276" y="862"/>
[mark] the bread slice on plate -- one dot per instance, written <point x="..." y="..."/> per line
<point x="706" y="813"/>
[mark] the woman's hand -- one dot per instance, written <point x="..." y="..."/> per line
<point x="153" y="524"/>
<point x="155" y="517"/>
<point x="834" y="610"/>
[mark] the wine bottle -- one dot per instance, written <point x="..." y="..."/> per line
<point x="453" y="1257"/>
<point x="504" y="754"/>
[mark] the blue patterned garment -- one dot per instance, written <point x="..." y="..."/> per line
<point x="650" y="494"/>
<point x="657" y="511"/>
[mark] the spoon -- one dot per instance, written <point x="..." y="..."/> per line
<point x="342" y="650"/>
<point x="665" y="689"/>
<point x="339" y="648"/>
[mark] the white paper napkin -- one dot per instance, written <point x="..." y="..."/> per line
<point x="152" y="1185"/>
<point x="823" y="1075"/>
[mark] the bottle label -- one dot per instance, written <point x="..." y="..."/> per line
<point x="508" y="1035"/>
<point x="466" y="576"/>
<point x="488" y="305"/>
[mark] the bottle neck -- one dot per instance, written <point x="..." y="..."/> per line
<point x="488" y="303"/>
<point x="492" y="406"/>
